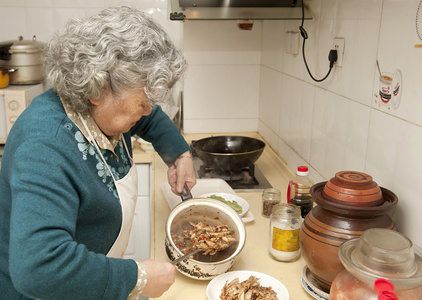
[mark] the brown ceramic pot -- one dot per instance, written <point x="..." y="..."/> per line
<point x="346" y="206"/>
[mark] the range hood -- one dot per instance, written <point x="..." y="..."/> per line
<point x="184" y="10"/>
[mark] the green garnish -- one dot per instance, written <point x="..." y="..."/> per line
<point x="233" y="204"/>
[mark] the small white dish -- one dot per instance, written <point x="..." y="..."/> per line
<point x="230" y="197"/>
<point x="215" y="286"/>
<point x="310" y="285"/>
<point x="146" y="146"/>
<point x="248" y="217"/>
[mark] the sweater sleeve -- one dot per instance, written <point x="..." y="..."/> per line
<point x="158" y="129"/>
<point x="45" y="260"/>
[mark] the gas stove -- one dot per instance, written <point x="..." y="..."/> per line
<point x="246" y="180"/>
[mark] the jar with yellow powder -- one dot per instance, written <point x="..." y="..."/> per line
<point x="285" y="225"/>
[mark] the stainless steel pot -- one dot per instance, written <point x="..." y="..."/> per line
<point x="25" y="56"/>
<point x="212" y="212"/>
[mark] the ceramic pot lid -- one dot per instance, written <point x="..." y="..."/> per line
<point x="354" y="189"/>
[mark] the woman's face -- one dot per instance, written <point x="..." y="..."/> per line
<point x="117" y="115"/>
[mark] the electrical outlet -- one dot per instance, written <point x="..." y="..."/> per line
<point x="339" y="46"/>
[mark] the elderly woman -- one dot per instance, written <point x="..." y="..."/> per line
<point x="68" y="182"/>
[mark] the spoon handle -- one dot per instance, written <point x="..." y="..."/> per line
<point x="186" y="256"/>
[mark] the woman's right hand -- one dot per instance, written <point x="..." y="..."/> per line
<point x="161" y="276"/>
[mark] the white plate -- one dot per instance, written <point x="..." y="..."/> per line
<point x="202" y="186"/>
<point x="215" y="285"/>
<point x="310" y="285"/>
<point x="230" y="197"/>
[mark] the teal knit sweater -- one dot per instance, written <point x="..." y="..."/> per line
<point x="59" y="209"/>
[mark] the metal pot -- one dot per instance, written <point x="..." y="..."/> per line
<point x="4" y="77"/>
<point x="25" y="56"/>
<point x="212" y="212"/>
<point x="228" y="153"/>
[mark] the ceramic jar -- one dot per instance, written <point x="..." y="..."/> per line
<point x="347" y="205"/>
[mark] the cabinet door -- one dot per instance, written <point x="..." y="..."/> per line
<point x="140" y="235"/>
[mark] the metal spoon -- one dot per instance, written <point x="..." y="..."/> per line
<point x="378" y="66"/>
<point x="186" y="256"/>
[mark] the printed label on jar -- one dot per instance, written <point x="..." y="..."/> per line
<point x="285" y="240"/>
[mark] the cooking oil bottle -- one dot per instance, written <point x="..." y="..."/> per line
<point x="298" y="191"/>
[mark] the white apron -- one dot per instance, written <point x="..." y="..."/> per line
<point x="127" y="189"/>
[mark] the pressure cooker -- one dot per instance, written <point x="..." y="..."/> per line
<point x="24" y="56"/>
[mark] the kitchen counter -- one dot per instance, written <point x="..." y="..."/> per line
<point x="254" y="256"/>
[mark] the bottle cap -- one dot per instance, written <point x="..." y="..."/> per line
<point x="387" y="295"/>
<point x="302" y="171"/>
<point x="382" y="284"/>
<point x="385" y="289"/>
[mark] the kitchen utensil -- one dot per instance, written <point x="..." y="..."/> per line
<point x="378" y="67"/>
<point x="212" y="212"/>
<point x="228" y="153"/>
<point x="24" y="55"/>
<point x="186" y="194"/>
<point x="4" y="76"/>
<point x="186" y="256"/>
<point x="339" y="217"/>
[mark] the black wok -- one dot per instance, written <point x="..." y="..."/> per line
<point x="228" y="153"/>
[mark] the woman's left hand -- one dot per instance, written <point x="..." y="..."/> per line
<point x="181" y="172"/>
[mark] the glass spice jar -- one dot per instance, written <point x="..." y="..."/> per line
<point x="285" y="225"/>
<point x="270" y="198"/>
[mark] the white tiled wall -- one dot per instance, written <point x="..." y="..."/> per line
<point x="335" y="125"/>
<point x="221" y="91"/>
<point x="43" y="17"/>
<point x="339" y="124"/>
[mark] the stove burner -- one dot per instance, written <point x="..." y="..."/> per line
<point x="225" y="175"/>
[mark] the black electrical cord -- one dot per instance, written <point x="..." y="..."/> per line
<point x="332" y="56"/>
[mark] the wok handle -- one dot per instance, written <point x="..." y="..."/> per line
<point x="186" y="194"/>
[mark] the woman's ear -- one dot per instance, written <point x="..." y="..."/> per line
<point x="94" y="102"/>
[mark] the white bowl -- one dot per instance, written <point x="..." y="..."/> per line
<point x="231" y="197"/>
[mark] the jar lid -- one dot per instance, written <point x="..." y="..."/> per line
<point x="26" y="46"/>
<point x="354" y="189"/>
<point x="383" y="253"/>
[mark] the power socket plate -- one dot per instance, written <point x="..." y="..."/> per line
<point x="339" y="46"/>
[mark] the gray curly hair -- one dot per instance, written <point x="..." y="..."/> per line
<point x="119" y="49"/>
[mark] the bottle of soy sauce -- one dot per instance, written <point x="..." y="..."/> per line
<point x="298" y="191"/>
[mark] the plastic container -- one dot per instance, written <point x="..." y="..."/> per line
<point x="298" y="191"/>
<point x="381" y="264"/>
<point x="270" y="198"/>
<point x="285" y="225"/>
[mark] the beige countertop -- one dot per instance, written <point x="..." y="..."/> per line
<point x="254" y="256"/>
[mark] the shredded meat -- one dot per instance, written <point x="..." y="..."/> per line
<point x="203" y="236"/>
<point x="249" y="289"/>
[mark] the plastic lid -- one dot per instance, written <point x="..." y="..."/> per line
<point x="387" y="295"/>
<point x="302" y="171"/>
<point x="382" y="284"/>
